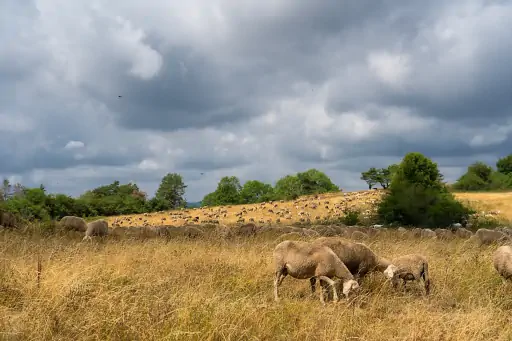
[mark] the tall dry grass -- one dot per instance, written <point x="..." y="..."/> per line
<point x="212" y="289"/>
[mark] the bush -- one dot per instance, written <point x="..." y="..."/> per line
<point x="417" y="196"/>
<point x="351" y="218"/>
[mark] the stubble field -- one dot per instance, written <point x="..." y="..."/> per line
<point x="312" y="207"/>
<point x="212" y="288"/>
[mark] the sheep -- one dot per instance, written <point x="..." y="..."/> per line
<point x="7" y="219"/>
<point x="444" y="234"/>
<point x="247" y="230"/>
<point x="506" y="230"/>
<point x="358" y="235"/>
<point x="72" y="223"/>
<point x="416" y="232"/>
<point x="96" y="228"/>
<point x="486" y="237"/>
<point x="502" y="261"/>
<point x="463" y="233"/>
<point x="186" y="231"/>
<point x="357" y="257"/>
<point x="303" y="260"/>
<point x="428" y="233"/>
<point x="410" y="267"/>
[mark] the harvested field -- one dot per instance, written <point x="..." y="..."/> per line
<point x="313" y="208"/>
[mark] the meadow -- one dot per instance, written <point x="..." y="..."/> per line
<point x="211" y="288"/>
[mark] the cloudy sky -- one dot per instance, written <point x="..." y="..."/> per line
<point x="253" y="88"/>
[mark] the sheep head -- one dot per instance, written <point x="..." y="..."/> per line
<point x="349" y="286"/>
<point x="390" y="271"/>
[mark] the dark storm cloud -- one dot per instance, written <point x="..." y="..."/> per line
<point x="279" y="77"/>
<point x="188" y="92"/>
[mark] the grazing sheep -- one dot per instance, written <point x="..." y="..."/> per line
<point x="444" y="234"/>
<point x="96" y="228"/>
<point x="411" y="267"/>
<point x="186" y="231"/>
<point x="487" y="237"/>
<point x="463" y="233"/>
<point x="247" y="230"/>
<point x="401" y="229"/>
<point x="357" y="257"/>
<point x="7" y="219"/>
<point x="506" y="230"/>
<point x="303" y="260"/>
<point x="428" y="233"/>
<point x="72" y="223"/>
<point x="358" y="235"/>
<point x="502" y="261"/>
<point x="416" y="232"/>
<point x="374" y="232"/>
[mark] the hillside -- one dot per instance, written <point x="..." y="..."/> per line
<point x="302" y="209"/>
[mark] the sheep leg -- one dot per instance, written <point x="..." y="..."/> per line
<point x="312" y="282"/>
<point x="282" y="277"/>
<point x="327" y="288"/>
<point x="322" y="293"/>
<point x="277" y="281"/>
<point x="332" y="284"/>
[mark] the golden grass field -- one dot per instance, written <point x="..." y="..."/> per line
<point x="328" y="205"/>
<point x="212" y="288"/>
<point x="215" y="289"/>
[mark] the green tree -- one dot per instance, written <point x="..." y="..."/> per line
<point x="470" y="182"/>
<point x="314" y="181"/>
<point x="478" y="176"/>
<point x="210" y="200"/>
<point x="370" y="177"/>
<point x="171" y="191"/>
<point x="288" y="187"/>
<point x="504" y="165"/>
<point x="500" y="181"/>
<point x="228" y="190"/>
<point x="415" y="168"/>
<point x="255" y="191"/>
<point x="384" y="175"/>
<point x="418" y="197"/>
<point x="381" y="176"/>
<point x="481" y="170"/>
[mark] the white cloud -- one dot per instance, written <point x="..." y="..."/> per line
<point x="74" y="145"/>
<point x="391" y="69"/>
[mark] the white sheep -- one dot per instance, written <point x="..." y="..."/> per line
<point x="357" y="257"/>
<point x="444" y="234"/>
<point x="486" y="237"/>
<point x="411" y="267"/>
<point x="72" y="223"/>
<point x="96" y="228"/>
<point x="358" y="235"/>
<point x="502" y="261"/>
<point x="303" y="260"/>
<point x="428" y="233"/>
<point x="463" y="233"/>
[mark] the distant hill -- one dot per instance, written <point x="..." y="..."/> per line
<point x="194" y="204"/>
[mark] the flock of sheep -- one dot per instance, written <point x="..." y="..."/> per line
<point x="329" y="256"/>
<point x="326" y="258"/>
